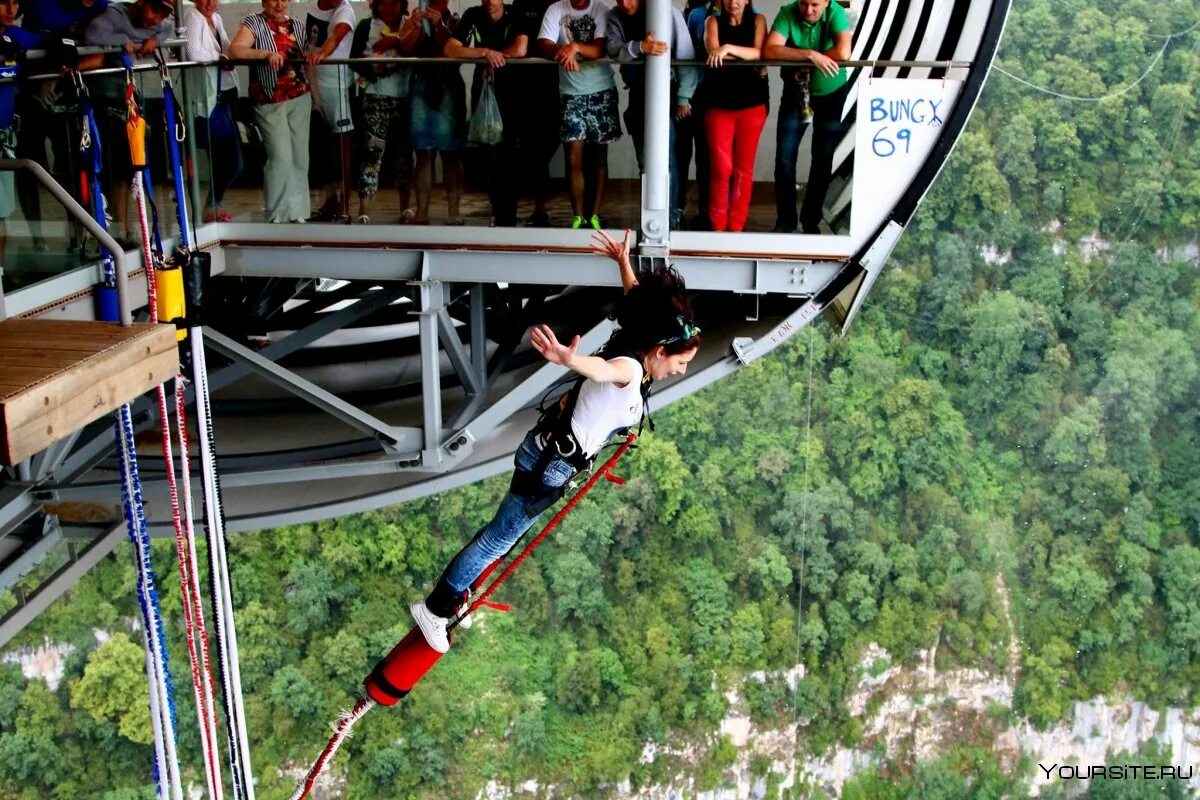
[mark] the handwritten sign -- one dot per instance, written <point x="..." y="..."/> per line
<point x="898" y="122"/>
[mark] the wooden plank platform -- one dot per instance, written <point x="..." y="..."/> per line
<point x="57" y="376"/>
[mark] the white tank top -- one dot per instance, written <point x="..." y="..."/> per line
<point x="604" y="408"/>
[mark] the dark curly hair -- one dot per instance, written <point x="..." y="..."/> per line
<point x="655" y="312"/>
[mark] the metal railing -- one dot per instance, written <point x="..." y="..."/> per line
<point x="79" y="214"/>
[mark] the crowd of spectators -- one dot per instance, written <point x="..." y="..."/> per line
<point x="405" y="117"/>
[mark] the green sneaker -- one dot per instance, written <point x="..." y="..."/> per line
<point x="595" y="221"/>
<point x="576" y="223"/>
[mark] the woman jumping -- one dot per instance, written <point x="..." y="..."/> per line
<point x="656" y="338"/>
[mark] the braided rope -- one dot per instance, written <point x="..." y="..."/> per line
<point x="222" y="597"/>
<point x="192" y="608"/>
<point x="207" y="690"/>
<point x="342" y="730"/>
<point x="162" y="704"/>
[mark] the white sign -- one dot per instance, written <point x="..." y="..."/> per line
<point x="898" y="121"/>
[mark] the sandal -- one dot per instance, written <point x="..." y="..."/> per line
<point x="362" y="219"/>
<point x="408" y="215"/>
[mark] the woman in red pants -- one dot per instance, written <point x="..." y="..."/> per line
<point x="737" y="109"/>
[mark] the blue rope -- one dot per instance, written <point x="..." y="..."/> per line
<point x="93" y="160"/>
<point x="147" y="593"/>
<point x="175" y="123"/>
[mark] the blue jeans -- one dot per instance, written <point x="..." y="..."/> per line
<point x="515" y="516"/>
<point x="828" y="130"/>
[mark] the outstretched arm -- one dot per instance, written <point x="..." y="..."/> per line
<point x="591" y="367"/>
<point x="605" y="245"/>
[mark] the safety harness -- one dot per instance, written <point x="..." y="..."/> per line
<point x="558" y="442"/>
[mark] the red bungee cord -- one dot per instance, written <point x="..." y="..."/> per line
<point x="412" y="658"/>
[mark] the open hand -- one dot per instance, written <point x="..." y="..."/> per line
<point x="604" y="245"/>
<point x="554" y="351"/>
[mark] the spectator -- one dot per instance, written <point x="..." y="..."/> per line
<point x="49" y="111"/>
<point x="439" y="108"/>
<point x="629" y="42"/>
<point x="329" y="26"/>
<point x="386" y="115"/>
<point x="737" y="109"/>
<point x="489" y="31"/>
<point x="213" y="89"/>
<point x="690" y="137"/>
<point x="536" y="114"/>
<point x="818" y="32"/>
<point x="138" y="28"/>
<point x="573" y="30"/>
<point x="60" y="18"/>
<point x="282" y="105"/>
<point x="13" y="43"/>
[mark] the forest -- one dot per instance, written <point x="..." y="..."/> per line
<point x="1018" y="397"/>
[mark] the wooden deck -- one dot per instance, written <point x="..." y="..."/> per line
<point x="57" y="376"/>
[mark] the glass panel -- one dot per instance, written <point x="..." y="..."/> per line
<point x="38" y="241"/>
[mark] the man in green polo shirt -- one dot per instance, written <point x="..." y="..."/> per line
<point x="818" y="33"/>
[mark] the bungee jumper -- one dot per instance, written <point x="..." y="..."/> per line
<point x="656" y="337"/>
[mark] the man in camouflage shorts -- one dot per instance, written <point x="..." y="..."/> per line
<point x="572" y="34"/>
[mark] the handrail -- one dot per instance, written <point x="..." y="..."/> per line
<point x="80" y="215"/>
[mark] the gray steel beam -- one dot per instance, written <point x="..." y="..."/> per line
<point x="60" y="582"/>
<point x="655" y="217"/>
<point x="393" y="438"/>
<point x="32" y="555"/>
<point x="459" y="358"/>
<point x="16" y="506"/>
<point x="763" y="275"/>
<point x="368" y="304"/>
<point x="432" y="300"/>
<point x="478" y="334"/>
<point x="531" y="388"/>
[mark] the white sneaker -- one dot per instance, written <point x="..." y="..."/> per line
<point x="432" y="626"/>
<point x="465" y="622"/>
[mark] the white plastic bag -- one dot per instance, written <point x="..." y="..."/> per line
<point x="486" y="126"/>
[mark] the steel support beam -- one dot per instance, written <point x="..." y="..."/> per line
<point x="785" y="274"/>
<point x="393" y="438"/>
<point x="32" y="555"/>
<point x="655" y="212"/>
<point x="459" y="357"/>
<point x="59" y="583"/>
<point x="367" y="304"/>
<point x="530" y="389"/>
<point x="432" y="301"/>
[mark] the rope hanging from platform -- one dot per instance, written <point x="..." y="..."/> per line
<point x="189" y="585"/>
<point x="221" y="596"/>
<point x="343" y="729"/>
<point x="158" y="673"/>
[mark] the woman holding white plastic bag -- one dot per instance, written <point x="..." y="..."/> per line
<point x="215" y="92"/>
<point x="491" y="31"/>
